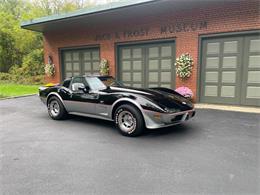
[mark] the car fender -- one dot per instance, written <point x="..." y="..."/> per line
<point x="57" y="95"/>
<point x="131" y="101"/>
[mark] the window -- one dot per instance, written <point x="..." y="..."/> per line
<point x="76" y="83"/>
<point x="95" y="84"/>
<point x="66" y="83"/>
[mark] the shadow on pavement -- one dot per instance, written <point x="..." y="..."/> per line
<point x="177" y="130"/>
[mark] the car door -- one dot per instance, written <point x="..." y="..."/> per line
<point x="82" y="101"/>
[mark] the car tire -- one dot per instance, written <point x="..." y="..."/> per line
<point x="129" y="121"/>
<point x="56" y="109"/>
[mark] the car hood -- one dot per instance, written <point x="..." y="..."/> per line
<point x="165" y="98"/>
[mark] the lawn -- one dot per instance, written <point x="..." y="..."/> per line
<point x="12" y="90"/>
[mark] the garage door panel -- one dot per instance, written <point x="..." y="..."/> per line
<point x="95" y="55"/>
<point x="149" y="65"/>
<point x="87" y="56"/>
<point x="80" y="61"/>
<point x="126" y="65"/>
<point x="87" y="66"/>
<point x="68" y="74"/>
<point x="230" y="47"/>
<point x="75" y="56"/>
<point x="254" y="45"/>
<point x="68" y="66"/>
<point x="228" y="77"/>
<point x="220" y="64"/>
<point x="76" y="73"/>
<point x="137" y="76"/>
<point x="228" y="91"/>
<point x="166" y="51"/>
<point x="166" y="64"/>
<point x="76" y="66"/>
<point x="212" y="62"/>
<point x="153" y="77"/>
<point x="253" y="92"/>
<point x="254" y="61"/>
<point x="166" y="85"/>
<point x="95" y="66"/>
<point x="137" y="85"/>
<point x="126" y="53"/>
<point x="211" y="90"/>
<point x="211" y="77"/>
<point x="230" y="62"/>
<point x="160" y="59"/>
<point x="68" y="56"/>
<point x="153" y="52"/>
<point x="213" y="48"/>
<point x="126" y="76"/>
<point x="251" y="76"/>
<point x="150" y="85"/>
<point x="137" y="53"/>
<point x="137" y="65"/>
<point x="230" y="70"/>
<point x="166" y="77"/>
<point x="153" y="64"/>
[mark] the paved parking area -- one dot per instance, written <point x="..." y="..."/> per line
<point x="217" y="152"/>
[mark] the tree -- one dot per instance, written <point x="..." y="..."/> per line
<point x="7" y="51"/>
<point x="21" y="48"/>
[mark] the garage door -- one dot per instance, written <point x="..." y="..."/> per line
<point x="230" y="71"/>
<point x="147" y="65"/>
<point x="80" y="62"/>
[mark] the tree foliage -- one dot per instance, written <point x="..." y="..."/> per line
<point x="21" y="50"/>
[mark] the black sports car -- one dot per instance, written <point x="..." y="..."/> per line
<point x="131" y="109"/>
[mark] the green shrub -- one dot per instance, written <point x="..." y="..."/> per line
<point x="31" y="71"/>
<point x="5" y="76"/>
<point x="36" y="80"/>
<point x="32" y="65"/>
<point x="20" y="79"/>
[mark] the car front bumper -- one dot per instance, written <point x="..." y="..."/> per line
<point x="154" y="120"/>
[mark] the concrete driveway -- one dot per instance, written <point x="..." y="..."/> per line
<point x="215" y="153"/>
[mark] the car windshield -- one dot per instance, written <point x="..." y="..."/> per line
<point x="95" y="84"/>
<point x="111" y="82"/>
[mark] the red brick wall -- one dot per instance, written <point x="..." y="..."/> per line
<point x="236" y="16"/>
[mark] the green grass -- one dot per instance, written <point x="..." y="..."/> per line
<point x="12" y="90"/>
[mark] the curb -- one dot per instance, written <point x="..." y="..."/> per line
<point x="14" y="97"/>
<point x="228" y="108"/>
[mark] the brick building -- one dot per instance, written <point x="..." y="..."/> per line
<point x="141" y="40"/>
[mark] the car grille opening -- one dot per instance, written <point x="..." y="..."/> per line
<point x="177" y="118"/>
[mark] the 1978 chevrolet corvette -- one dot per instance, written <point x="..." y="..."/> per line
<point x="132" y="109"/>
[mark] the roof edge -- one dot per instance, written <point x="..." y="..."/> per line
<point x="84" y="11"/>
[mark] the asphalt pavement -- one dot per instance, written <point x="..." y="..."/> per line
<point x="217" y="152"/>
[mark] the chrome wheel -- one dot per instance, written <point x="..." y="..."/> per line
<point x="126" y="121"/>
<point x="54" y="108"/>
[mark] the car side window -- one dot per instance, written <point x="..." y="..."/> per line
<point x="66" y="83"/>
<point x="77" y="83"/>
